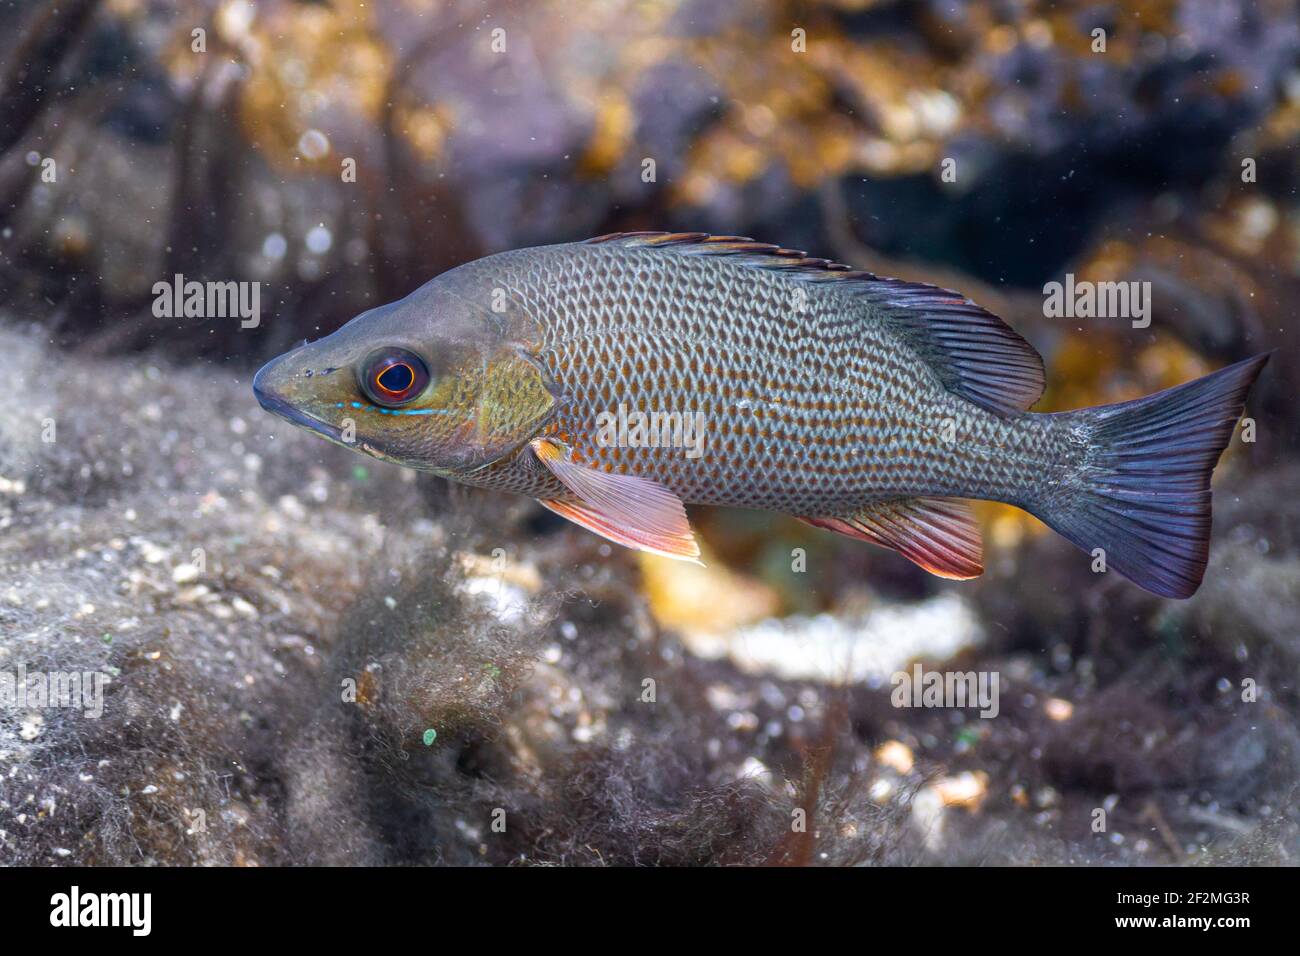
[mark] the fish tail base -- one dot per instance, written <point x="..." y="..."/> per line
<point x="1142" y="494"/>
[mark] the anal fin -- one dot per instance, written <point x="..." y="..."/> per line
<point x="938" y="534"/>
<point x="626" y="509"/>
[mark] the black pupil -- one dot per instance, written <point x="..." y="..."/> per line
<point x="396" y="378"/>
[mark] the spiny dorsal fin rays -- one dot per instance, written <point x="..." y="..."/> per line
<point x="973" y="352"/>
<point x="763" y="255"/>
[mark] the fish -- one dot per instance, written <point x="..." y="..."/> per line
<point x="869" y="406"/>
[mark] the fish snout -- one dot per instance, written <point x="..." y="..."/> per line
<point x="284" y="388"/>
<point x="268" y="386"/>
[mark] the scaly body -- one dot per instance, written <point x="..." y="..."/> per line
<point x="864" y="405"/>
<point x="810" y="404"/>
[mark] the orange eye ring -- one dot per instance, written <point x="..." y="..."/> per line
<point x="403" y="374"/>
<point x="392" y="377"/>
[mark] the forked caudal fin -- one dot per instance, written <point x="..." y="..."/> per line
<point x="1145" y="495"/>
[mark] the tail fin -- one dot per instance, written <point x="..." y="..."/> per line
<point x="1145" y="490"/>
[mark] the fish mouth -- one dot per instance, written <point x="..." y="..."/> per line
<point x="276" y="404"/>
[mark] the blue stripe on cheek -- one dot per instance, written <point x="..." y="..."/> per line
<point x="396" y="411"/>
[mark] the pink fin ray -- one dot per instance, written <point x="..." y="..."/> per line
<point x="938" y="534"/>
<point x="635" y="512"/>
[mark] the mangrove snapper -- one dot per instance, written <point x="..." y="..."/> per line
<point x="617" y="379"/>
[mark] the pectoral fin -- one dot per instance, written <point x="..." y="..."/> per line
<point x="939" y="534"/>
<point x="635" y="512"/>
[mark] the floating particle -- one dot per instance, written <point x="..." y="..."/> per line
<point x="319" y="240"/>
<point x="313" y="144"/>
<point x="274" y="246"/>
<point x="1058" y="709"/>
<point x="896" y="755"/>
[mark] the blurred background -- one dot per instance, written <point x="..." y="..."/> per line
<point x="231" y="575"/>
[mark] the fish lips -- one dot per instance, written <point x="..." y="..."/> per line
<point x="274" y="401"/>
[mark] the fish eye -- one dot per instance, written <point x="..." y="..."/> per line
<point x="393" y="376"/>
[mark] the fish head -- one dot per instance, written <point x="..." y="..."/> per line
<point x="437" y="381"/>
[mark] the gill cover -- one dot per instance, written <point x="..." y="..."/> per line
<point x="497" y="404"/>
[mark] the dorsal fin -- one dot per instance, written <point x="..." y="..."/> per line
<point x="974" y="353"/>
